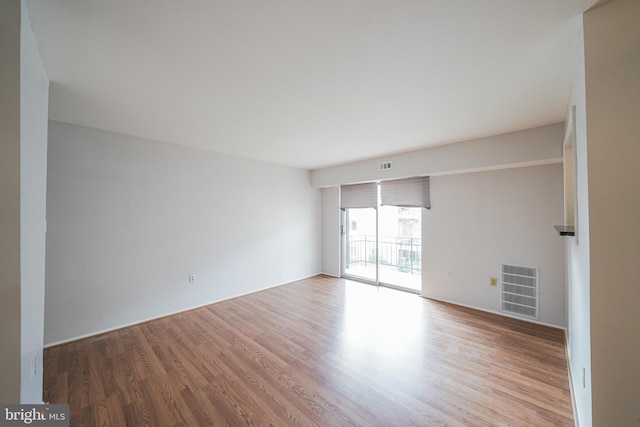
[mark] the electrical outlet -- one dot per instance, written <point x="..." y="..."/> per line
<point x="493" y="281"/>
<point x="192" y="278"/>
<point x="448" y="274"/>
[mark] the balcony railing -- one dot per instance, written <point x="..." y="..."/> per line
<point x="401" y="252"/>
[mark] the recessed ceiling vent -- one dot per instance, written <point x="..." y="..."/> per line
<point x="519" y="294"/>
<point x="384" y="166"/>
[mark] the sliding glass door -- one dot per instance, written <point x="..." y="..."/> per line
<point x="383" y="246"/>
<point x="382" y="232"/>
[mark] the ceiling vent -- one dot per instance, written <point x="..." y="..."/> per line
<point x="384" y="166"/>
<point x="519" y="293"/>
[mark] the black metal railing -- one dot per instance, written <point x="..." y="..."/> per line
<point x="404" y="253"/>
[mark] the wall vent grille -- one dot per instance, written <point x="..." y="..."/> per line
<point x="384" y="166"/>
<point x="519" y="293"/>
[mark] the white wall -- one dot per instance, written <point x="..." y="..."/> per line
<point x="480" y="220"/>
<point x="612" y="70"/>
<point x="10" y="201"/>
<point x="129" y="219"/>
<point x="536" y="146"/>
<point x="577" y="259"/>
<point x="34" y="106"/>
<point x="331" y="231"/>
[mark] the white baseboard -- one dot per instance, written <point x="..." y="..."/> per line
<point x="499" y="313"/>
<point x="331" y="275"/>
<point x="137" y="322"/>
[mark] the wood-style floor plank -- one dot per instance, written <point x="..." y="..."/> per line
<point x="317" y="352"/>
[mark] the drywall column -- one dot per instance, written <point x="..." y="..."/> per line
<point x="10" y="201"/>
<point x="24" y="89"/>
<point x="34" y="112"/>
<point x="612" y="67"/>
<point x="577" y="256"/>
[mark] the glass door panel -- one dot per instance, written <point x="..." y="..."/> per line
<point x="400" y="247"/>
<point x="360" y="246"/>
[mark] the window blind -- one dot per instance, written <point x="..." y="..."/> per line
<point x="410" y="192"/>
<point x="359" y="196"/>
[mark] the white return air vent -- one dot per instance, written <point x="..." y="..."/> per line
<point x="519" y="294"/>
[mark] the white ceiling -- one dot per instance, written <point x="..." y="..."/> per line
<point x="308" y="83"/>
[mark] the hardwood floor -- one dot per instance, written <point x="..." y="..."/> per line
<point x="321" y="351"/>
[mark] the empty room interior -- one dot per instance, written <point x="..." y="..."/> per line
<point x="412" y="212"/>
